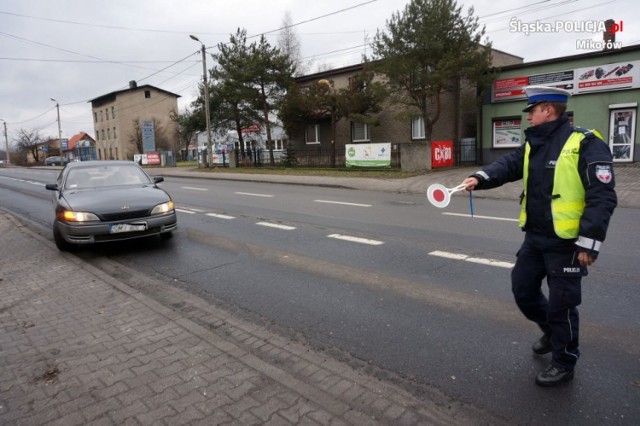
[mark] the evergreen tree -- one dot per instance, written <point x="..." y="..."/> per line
<point x="427" y="50"/>
<point x="269" y="73"/>
<point x="237" y="100"/>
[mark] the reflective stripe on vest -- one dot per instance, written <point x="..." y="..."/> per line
<point x="567" y="201"/>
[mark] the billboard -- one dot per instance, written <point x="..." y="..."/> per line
<point x="441" y="154"/>
<point x="368" y="155"/>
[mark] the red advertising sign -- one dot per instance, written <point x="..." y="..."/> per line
<point x="153" y="158"/>
<point x="441" y="154"/>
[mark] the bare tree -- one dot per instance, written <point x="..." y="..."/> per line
<point x="290" y="45"/>
<point x="161" y="140"/>
<point x="28" y="142"/>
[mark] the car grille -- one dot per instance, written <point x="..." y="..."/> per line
<point x="126" y="215"/>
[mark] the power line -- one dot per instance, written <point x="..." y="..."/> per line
<point x="85" y="61"/>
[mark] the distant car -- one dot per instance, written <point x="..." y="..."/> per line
<point x="100" y="201"/>
<point x="56" y="161"/>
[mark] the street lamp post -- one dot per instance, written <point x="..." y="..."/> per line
<point x="59" y="130"/>
<point x="206" y="100"/>
<point x="6" y="141"/>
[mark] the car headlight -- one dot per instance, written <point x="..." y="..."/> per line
<point x="71" y="216"/>
<point x="163" y="208"/>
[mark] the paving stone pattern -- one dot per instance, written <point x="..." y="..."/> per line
<point x="78" y="346"/>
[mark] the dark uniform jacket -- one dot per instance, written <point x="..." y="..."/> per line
<point x="595" y="168"/>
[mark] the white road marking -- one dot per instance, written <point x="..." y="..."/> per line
<point x="220" y="216"/>
<point x="475" y="216"/>
<point x="194" y="188"/>
<point x="23" y="180"/>
<point x="276" y="225"/>
<point x="355" y="239"/>
<point x="466" y="258"/>
<point x="341" y="202"/>
<point x="254" y="195"/>
<point x="185" y="211"/>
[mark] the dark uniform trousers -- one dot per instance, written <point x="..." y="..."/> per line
<point x="556" y="259"/>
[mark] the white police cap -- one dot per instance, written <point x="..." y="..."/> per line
<point x="537" y="94"/>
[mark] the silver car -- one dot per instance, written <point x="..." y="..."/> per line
<point x="100" y="201"/>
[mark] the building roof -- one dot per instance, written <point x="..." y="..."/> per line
<point x="130" y="89"/>
<point x="73" y="140"/>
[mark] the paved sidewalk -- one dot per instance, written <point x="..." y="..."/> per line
<point x="80" y="347"/>
<point x="627" y="181"/>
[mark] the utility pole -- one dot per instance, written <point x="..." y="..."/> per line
<point x="6" y="142"/>
<point x="206" y="100"/>
<point x="59" y="130"/>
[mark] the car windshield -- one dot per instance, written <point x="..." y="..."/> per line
<point x="107" y="175"/>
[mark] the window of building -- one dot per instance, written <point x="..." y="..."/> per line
<point x="417" y="128"/>
<point x="360" y="132"/>
<point x="95" y="117"/>
<point x="116" y="153"/>
<point x="113" y="112"/>
<point x="103" y="134"/>
<point x="147" y="94"/>
<point x="108" y="133"/>
<point x="312" y="134"/>
<point x="114" y="133"/>
<point x="106" y="112"/>
<point x="101" y="116"/>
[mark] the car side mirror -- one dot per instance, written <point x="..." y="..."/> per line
<point x="158" y="179"/>
<point x="52" y="186"/>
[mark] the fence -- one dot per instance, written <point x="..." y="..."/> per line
<point x="321" y="157"/>
<point x="303" y="156"/>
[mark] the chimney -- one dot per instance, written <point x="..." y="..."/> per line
<point x="609" y="35"/>
<point x="134" y="85"/>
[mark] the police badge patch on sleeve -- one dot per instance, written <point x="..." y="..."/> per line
<point x="603" y="173"/>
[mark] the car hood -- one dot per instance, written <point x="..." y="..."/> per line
<point x="115" y="199"/>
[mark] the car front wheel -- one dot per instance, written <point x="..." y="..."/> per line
<point x="61" y="243"/>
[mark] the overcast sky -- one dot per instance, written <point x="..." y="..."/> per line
<point x="77" y="50"/>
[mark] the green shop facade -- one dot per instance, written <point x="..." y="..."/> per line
<point x="605" y="88"/>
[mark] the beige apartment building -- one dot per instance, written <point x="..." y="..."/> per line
<point x="132" y="121"/>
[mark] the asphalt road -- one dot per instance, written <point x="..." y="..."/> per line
<point x="414" y="293"/>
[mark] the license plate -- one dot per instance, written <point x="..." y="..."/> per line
<point x="126" y="227"/>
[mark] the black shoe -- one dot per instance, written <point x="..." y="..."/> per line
<point x="542" y="345"/>
<point x="553" y="376"/>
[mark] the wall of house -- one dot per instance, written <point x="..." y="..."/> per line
<point x="128" y="107"/>
<point x="590" y="110"/>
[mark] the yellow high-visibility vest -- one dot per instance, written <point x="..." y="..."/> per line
<point x="568" y="195"/>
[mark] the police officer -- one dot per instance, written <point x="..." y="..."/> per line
<point x="566" y="205"/>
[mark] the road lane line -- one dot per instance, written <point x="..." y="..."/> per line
<point x="194" y="188"/>
<point x="356" y="239"/>
<point x="220" y="216"/>
<point x="185" y="211"/>
<point x="342" y="202"/>
<point x="475" y="216"/>
<point x="466" y="258"/>
<point x="254" y="195"/>
<point x="276" y="225"/>
<point x="490" y="262"/>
